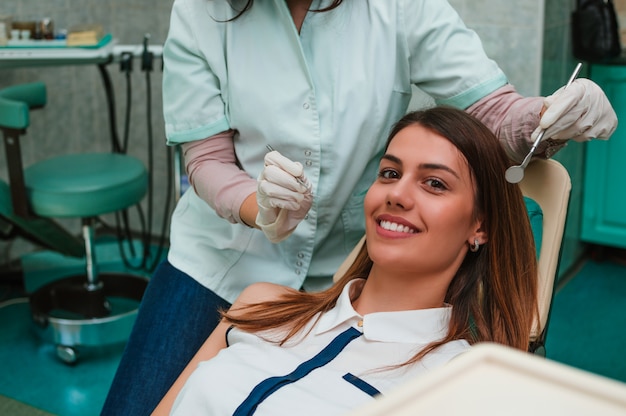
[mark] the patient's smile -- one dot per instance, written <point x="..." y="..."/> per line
<point x="393" y="226"/>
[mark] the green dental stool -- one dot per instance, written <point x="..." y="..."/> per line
<point x="76" y="311"/>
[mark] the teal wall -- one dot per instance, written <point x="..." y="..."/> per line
<point x="558" y="63"/>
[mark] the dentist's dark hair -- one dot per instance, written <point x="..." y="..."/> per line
<point x="494" y="292"/>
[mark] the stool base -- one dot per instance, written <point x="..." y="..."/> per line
<point x="72" y="314"/>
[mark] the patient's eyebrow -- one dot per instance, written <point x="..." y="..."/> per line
<point x="438" y="166"/>
<point x="392" y="158"/>
<point x="425" y="166"/>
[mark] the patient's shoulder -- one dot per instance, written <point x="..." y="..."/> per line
<point x="261" y="292"/>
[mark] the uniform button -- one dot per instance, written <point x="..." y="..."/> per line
<point x="299" y="263"/>
<point x="300" y="255"/>
<point x="298" y="272"/>
<point x="307" y="153"/>
<point x="306" y="217"/>
<point x="360" y="324"/>
<point x="308" y="163"/>
<point x="306" y="106"/>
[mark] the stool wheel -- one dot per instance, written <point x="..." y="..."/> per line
<point x="67" y="354"/>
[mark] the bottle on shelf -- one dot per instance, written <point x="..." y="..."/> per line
<point x="3" y="34"/>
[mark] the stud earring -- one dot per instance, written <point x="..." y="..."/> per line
<point x="474" y="248"/>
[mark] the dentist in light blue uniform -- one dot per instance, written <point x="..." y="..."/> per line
<point x="323" y="89"/>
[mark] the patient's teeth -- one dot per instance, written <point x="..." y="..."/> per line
<point x="392" y="226"/>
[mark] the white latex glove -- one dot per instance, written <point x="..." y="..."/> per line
<point x="581" y="112"/>
<point x="283" y="195"/>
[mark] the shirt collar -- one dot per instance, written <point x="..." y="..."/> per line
<point x="415" y="326"/>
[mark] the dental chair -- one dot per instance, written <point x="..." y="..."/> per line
<point x="91" y="309"/>
<point x="546" y="183"/>
<point x="493" y="380"/>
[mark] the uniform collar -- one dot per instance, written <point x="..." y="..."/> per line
<point x="415" y="326"/>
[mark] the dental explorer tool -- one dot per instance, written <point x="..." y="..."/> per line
<point x="514" y="174"/>
<point x="300" y="178"/>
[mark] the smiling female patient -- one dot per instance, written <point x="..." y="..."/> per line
<point x="438" y="273"/>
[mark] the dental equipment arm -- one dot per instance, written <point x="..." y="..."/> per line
<point x="283" y="195"/>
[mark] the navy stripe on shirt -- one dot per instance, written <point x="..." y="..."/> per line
<point x="362" y="385"/>
<point x="268" y="386"/>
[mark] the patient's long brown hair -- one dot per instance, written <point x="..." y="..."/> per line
<point x="494" y="292"/>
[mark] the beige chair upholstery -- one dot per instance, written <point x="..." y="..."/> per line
<point x="493" y="380"/>
<point x="547" y="183"/>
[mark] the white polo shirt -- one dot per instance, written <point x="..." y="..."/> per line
<point x="325" y="97"/>
<point x="219" y="386"/>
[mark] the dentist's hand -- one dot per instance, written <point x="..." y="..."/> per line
<point x="283" y="195"/>
<point x="581" y="112"/>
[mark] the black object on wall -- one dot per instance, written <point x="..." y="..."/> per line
<point x="595" y="32"/>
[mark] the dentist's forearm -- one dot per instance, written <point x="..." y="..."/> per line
<point x="215" y="176"/>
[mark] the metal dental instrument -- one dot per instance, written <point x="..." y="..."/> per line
<point x="514" y="174"/>
<point x="300" y="178"/>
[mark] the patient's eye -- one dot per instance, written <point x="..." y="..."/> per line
<point x="388" y="173"/>
<point x="436" y="184"/>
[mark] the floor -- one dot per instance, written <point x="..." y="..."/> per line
<point x="31" y="371"/>
<point x="586" y="331"/>
<point x="587" y="326"/>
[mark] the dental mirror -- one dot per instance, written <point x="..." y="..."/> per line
<point x="515" y="174"/>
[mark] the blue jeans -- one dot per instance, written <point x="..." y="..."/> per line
<point x="175" y="317"/>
